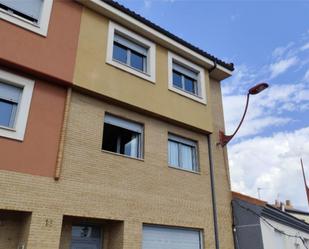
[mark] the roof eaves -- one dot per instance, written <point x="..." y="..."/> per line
<point x="284" y="218"/>
<point x="229" y="66"/>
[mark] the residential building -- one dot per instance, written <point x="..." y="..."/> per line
<point x="258" y="225"/>
<point x="109" y="131"/>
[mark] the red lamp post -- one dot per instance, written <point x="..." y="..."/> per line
<point x="224" y="139"/>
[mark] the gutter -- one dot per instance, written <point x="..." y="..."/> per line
<point x="213" y="192"/>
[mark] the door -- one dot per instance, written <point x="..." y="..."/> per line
<point x="86" y="237"/>
<point x="158" y="237"/>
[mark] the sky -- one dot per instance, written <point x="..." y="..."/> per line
<point x="268" y="41"/>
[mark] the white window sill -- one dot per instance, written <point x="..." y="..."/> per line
<point x="122" y="155"/>
<point x="131" y="70"/>
<point x="185" y="170"/>
<point x="188" y="95"/>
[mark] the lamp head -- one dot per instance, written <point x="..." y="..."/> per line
<point x="257" y="88"/>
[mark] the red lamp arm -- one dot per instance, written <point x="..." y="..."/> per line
<point x="224" y="139"/>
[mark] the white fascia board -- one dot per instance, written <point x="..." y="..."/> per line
<point x="108" y="9"/>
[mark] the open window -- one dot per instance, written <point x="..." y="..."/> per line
<point x="122" y="136"/>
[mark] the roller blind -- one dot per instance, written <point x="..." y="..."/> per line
<point x="9" y="92"/>
<point x="192" y="74"/>
<point x="30" y="8"/>
<point x="132" y="126"/>
<point x="131" y="45"/>
<point x="155" y="237"/>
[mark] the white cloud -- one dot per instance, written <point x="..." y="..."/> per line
<point x="281" y="66"/>
<point x="306" y="77"/>
<point x="305" y="47"/>
<point x="280" y="51"/>
<point x="270" y="108"/>
<point x="273" y="163"/>
<point x="242" y="76"/>
<point x="147" y="4"/>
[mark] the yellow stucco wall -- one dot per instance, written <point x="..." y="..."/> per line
<point x="93" y="73"/>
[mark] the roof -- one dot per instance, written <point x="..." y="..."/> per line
<point x="295" y="211"/>
<point x="229" y="66"/>
<point x="249" y="199"/>
<point x="261" y="208"/>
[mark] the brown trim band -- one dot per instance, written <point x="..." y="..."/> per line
<point x="63" y="133"/>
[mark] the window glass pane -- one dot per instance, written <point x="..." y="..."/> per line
<point x="131" y="146"/>
<point x="177" y="79"/>
<point x="137" y="61"/>
<point x="120" y="53"/>
<point x="7" y="113"/>
<point x="29" y="8"/>
<point x="173" y="153"/>
<point x="190" y="85"/>
<point x="186" y="157"/>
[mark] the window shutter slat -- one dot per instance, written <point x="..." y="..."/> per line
<point x="131" y="45"/>
<point x="31" y="8"/>
<point x="132" y="126"/>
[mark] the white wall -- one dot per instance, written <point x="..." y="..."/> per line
<point x="274" y="240"/>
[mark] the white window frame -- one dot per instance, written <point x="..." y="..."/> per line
<point x="201" y="86"/>
<point x="40" y="28"/>
<point x="151" y="56"/>
<point x="188" y="142"/>
<point x="27" y="85"/>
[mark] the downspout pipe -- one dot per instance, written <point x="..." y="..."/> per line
<point x="213" y="192"/>
<point x="213" y="68"/>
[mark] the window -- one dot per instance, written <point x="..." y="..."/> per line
<point x="31" y="14"/>
<point x="15" y="99"/>
<point x="122" y="136"/>
<point x="131" y="52"/>
<point x="9" y="99"/>
<point x="182" y="153"/>
<point x="186" y="78"/>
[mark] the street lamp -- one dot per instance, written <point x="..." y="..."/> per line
<point x="224" y="139"/>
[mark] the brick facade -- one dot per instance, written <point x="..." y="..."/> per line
<point x="105" y="186"/>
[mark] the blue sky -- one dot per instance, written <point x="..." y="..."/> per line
<point x="267" y="41"/>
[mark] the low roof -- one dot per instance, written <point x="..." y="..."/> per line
<point x="252" y="200"/>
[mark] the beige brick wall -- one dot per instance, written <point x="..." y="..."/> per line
<point x="106" y="186"/>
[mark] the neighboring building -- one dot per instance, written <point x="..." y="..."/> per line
<point x="258" y="225"/>
<point x="108" y="132"/>
<point x="288" y="207"/>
